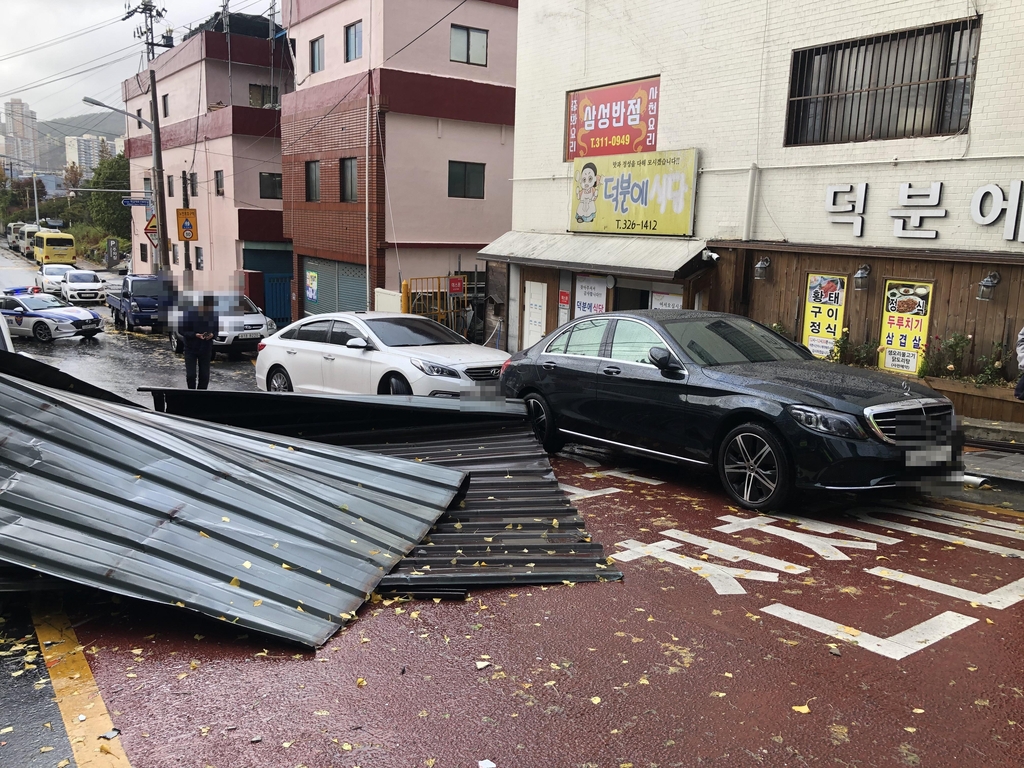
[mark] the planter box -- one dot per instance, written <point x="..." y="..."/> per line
<point x="993" y="403"/>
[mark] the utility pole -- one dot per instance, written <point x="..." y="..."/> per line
<point x="35" y="194"/>
<point x="144" y="32"/>
<point x="161" y="260"/>
<point x="184" y="204"/>
<point x="225" y="16"/>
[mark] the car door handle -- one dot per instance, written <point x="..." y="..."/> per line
<point x="290" y="351"/>
<point x="548" y="366"/>
<point x="612" y="370"/>
<point x="328" y="357"/>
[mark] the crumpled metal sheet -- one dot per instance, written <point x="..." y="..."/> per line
<point x="279" y="535"/>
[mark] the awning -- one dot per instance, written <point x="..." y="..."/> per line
<point x="657" y="258"/>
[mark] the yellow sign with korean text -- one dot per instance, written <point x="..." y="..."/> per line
<point x="824" y="307"/>
<point x="188" y="228"/>
<point x="650" y="193"/>
<point x="905" y="315"/>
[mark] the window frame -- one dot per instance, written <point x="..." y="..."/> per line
<point x="170" y="185"/>
<point x="280" y="188"/>
<point x="469" y="44"/>
<point x="143" y="253"/>
<point x="200" y="258"/>
<point x="165" y="105"/>
<point x="316" y="55"/>
<point x="860" y="89"/>
<point x="268" y="95"/>
<point x="452" y="165"/>
<point x="193" y="184"/>
<point x="138" y="117"/>
<point x="626" y="320"/>
<point x="174" y="253"/>
<point x="357" y="27"/>
<point x="218" y="183"/>
<point x="310" y="197"/>
<point x="344" y="164"/>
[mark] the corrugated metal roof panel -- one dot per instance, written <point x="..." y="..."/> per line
<point x="279" y="535"/>
<point x="652" y="257"/>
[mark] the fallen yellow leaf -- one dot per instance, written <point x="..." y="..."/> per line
<point x="908" y="729"/>
<point x="717" y="694"/>
<point x="802" y="709"/>
<point x="595" y="700"/>
<point x="850" y="631"/>
<point x="360" y="682"/>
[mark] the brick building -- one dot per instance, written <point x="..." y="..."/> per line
<point x="828" y="140"/>
<point x="219" y="97"/>
<point x="396" y="144"/>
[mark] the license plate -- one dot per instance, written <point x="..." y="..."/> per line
<point x="256" y="335"/>
<point x="923" y="457"/>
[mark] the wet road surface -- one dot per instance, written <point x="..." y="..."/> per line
<point x="117" y="360"/>
<point x="849" y="631"/>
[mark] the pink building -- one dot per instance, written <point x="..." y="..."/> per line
<point x="396" y="143"/>
<point x="219" y="98"/>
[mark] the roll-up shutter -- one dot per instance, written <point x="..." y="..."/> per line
<point x="351" y="287"/>
<point x="323" y="275"/>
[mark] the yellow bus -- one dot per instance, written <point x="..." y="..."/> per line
<point x="54" y="248"/>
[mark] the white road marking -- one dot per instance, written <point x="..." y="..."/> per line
<point x="722" y="578"/>
<point x="967" y="522"/>
<point x="982" y="545"/>
<point x="582" y="493"/>
<point x="625" y="474"/>
<point x="733" y="554"/>
<point x="818" y="526"/>
<point x="1004" y="597"/>
<point x="825" y="548"/>
<point x="897" y="647"/>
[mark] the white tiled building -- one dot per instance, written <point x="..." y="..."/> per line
<point x="791" y="105"/>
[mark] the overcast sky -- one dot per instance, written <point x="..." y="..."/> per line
<point x="30" y="22"/>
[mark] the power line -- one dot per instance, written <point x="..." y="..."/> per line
<point x="44" y="81"/>
<point x="62" y="39"/>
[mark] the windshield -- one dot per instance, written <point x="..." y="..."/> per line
<point x="724" y="341"/>
<point x="83" y="277"/>
<point x="248" y="307"/>
<point x="150" y="289"/>
<point x="58" y="269"/>
<point x="43" y="301"/>
<point x="413" y="332"/>
<point x="59" y="242"/>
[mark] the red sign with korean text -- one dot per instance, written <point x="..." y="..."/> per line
<point x="613" y="119"/>
<point x="456" y="286"/>
<point x="563" y="298"/>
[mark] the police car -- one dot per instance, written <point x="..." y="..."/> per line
<point x="29" y="312"/>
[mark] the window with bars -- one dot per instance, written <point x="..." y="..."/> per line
<point x="917" y="82"/>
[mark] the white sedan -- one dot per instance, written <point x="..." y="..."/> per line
<point x="375" y="353"/>
<point x="49" y="276"/>
<point x="83" y="286"/>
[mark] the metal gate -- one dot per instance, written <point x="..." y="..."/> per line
<point x="429" y="296"/>
<point x="277" y="294"/>
<point x="333" y="286"/>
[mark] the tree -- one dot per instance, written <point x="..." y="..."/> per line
<point x="72" y="176"/>
<point x="105" y="207"/>
<point x="105" y="153"/>
<point x="22" y="189"/>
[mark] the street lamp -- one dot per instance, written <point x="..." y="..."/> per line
<point x="161" y="259"/>
<point x="988" y="286"/>
<point x="860" y="277"/>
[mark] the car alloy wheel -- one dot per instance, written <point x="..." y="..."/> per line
<point x="279" y="381"/>
<point x="398" y="386"/>
<point x="42" y="332"/>
<point x="754" y="468"/>
<point x="543" y="423"/>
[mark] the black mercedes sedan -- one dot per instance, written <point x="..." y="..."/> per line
<point x="725" y="392"/>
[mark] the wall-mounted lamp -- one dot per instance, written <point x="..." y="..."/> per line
<point x="761" y="268"/>
<point x="988" y="286"/>
<point x="860" y="277"/>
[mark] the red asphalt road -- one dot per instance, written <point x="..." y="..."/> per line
<point x="658" y="670"/>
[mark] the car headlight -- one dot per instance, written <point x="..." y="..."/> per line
<point x="135" y="307"/>
<point x="271" y="326"/>
<point x="433" y="369"/>
<point x="828" y="422"/>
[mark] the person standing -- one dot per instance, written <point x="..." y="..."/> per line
<point x="1019" y="391"/>
<point x="199" y="326"/>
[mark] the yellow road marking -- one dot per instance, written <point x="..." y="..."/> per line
<point x="986" y="508"/>
<point x="76" y="692"/>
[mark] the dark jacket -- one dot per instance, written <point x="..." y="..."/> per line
<point x="193" y="325"/>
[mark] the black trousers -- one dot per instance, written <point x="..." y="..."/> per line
<point x="202" y="361"/>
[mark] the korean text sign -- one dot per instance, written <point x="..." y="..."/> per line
<point x="905" y="316"/>
<point x="591" y="295"/>
<point x="613" y="119"/>
<point x="824" y="306"/>
<point x="312" y="278"/>
<point x="647" y="194"/>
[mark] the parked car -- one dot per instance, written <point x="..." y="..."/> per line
<point x="29" y="312"/>
<point x="375" y="353"/>
<point x="722" y="391"/>
<point x="6" y="343"/>
<point x="82" y="286"/>
<point x="241" y="327"/>
<point x="143" y="300"/>
<point x="48" y="277"/>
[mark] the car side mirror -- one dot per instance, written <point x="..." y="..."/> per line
<point x="356" y="343"/>
<point x="664" y="360"/>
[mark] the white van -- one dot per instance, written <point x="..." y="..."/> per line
<point x="12" y="234"/>
<point x="26" y="237"/>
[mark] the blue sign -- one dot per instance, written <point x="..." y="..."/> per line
<point x="134" y="201"/>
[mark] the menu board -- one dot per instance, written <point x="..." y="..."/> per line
<point x="824" y="307"/>
<point x="904" y="332"/>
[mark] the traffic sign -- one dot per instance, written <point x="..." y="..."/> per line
<point x="134" y="201"/>
<point x="151" y="225"/>
<point x="187" y="224"/>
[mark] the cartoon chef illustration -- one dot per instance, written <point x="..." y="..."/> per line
<point x="587" y="182"/>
